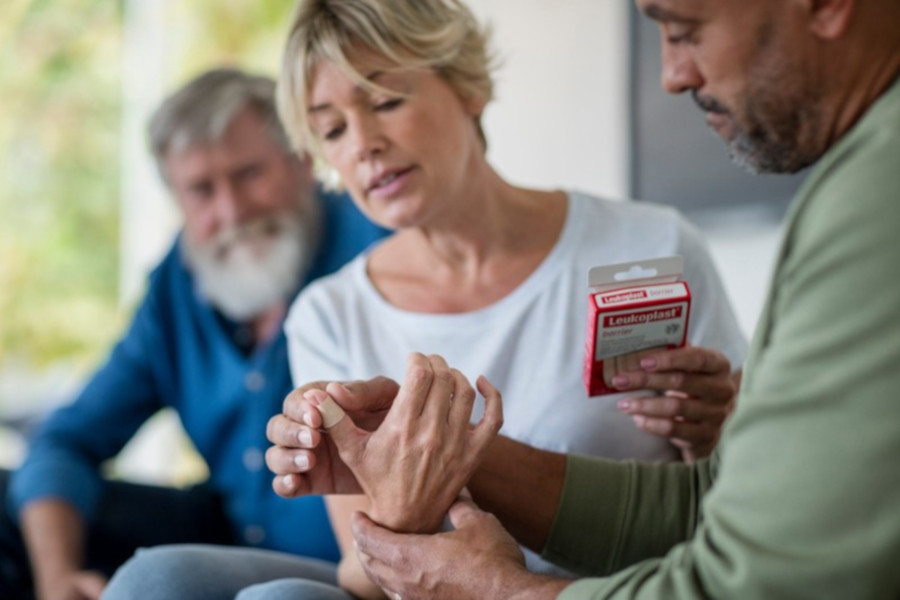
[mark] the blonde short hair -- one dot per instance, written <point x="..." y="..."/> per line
<point x="442" y="35"/>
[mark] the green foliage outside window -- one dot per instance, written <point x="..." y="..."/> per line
<point x="60" y="146"/>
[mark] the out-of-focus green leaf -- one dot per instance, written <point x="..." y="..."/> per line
<point x="60" y="72"/>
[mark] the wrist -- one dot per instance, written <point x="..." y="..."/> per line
<point x="51" y="583"/>
<point x="50" y="573"/>
<point x="399" y="521"/>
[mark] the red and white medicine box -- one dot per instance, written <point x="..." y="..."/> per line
<point x="634" y="309"/>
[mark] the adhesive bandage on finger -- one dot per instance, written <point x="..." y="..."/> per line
<point x="331" y="413"/>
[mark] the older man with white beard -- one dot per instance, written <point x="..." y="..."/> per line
<point x="207" y="342"/>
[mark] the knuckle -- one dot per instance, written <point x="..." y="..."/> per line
<point x="363" y="388"/>
<point x="677" y="380"/>
<point x="395" y="430"/>
<point x="467" y="395"/>
<point x="419" y="376"/>
<point x="703" y="360"/>
<point x="496" y="422"/>
<point x="672" y="406"/>
<point x="444" y="377"/>
<point x="663" y="426"/>
<point x="492" y="420"/>
<point x="290" y="400"/>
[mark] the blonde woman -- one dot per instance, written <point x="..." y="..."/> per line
<point x="489" y="275"/>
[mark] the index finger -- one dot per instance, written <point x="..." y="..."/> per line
<point x="295" y="405"/>
<point x="692" y="359"/>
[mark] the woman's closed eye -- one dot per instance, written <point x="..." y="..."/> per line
<point x="333" y="133"/>
<point x="388" y="105"/>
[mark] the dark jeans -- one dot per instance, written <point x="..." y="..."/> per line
<point x="130" y="516"/>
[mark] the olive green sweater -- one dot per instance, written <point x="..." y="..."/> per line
<point x="803" y="498"/>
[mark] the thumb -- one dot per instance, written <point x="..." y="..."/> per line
<point x="372" y="395"/>
<point x="371" y="538"/>
<point x="463" y="512"/>
<point x="342" y="431"/>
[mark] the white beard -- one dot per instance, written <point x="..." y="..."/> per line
<point x="247" y="269"/>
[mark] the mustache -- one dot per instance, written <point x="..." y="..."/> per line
<point x="708" y="104"/>
<point x="225" y="240"/>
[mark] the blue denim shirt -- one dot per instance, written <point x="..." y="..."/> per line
<point x="180" y="353"/>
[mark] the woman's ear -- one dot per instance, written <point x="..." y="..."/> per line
<point x="474" y="105"/>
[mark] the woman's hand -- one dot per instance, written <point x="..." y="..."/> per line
<point x="417" y="461"/>
<point x="303" y="459"/>
<point x="698" y="393"/>
<point x="409" y="449"/>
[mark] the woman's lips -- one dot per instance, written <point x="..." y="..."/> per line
<point x="391" y="183"/>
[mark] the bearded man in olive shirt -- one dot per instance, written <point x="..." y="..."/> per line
<point x="801" y="499"/>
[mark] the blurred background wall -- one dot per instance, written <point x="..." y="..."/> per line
<point x="83" y="216"/>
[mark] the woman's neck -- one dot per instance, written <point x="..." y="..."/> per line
<point x="487" y="241"/>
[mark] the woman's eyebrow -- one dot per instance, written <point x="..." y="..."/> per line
<point x="325" y="106"/>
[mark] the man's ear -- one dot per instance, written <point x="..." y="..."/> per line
<point x="830" y="19"/>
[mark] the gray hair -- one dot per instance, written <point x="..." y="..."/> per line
<point x="201" y="111"/>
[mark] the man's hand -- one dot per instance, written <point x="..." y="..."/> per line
<point x="698" y="394"/>
<point x="479" y="559"/>
<point x="307" y="462"/>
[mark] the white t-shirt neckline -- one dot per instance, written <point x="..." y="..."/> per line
<point x="557" y="258"/>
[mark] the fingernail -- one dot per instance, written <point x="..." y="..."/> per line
<point x="302" y="461"/>
<point x="305" y="438"/>
<point x="639" y="420"/>
<point x="620" y="381"/>
<point x="624" y="404"/>
<point x="307" y="419"/>
<point x="648" y="363"/>
<point x="288" y="482"/>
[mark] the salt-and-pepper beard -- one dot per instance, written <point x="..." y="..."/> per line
<point x="249" y="268"/>
<point x="779" y="115"/>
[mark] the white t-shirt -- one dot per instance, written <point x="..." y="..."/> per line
<point x="529" y="344"/>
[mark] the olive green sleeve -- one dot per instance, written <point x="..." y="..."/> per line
<point x="606" y="500"/>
